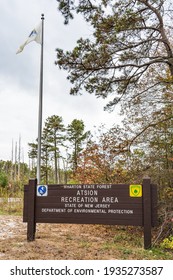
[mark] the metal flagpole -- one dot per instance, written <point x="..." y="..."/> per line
<point x="40" y="104"/>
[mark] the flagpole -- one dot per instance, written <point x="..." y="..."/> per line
<point x="40" y="104"/>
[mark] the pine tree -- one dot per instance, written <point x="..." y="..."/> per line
<point x="130" y="38"/>
<point x="76" y="136"/>
<point x="53" y="132"/>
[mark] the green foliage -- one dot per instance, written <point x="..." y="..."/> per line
<point x="53" y="139"/>
<point x="167" y="242"/>
<point x="130" y="39"/>
<point x="76" y="136"/>
<point x="73" y="182"/>
<point x="60" y="149"/>
<point x="3" y="180"/>
<point x="64" y="6"/>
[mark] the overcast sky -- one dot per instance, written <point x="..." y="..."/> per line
<point x="19" y="74"/>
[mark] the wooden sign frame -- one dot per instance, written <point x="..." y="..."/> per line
<point x="91" y="204"/>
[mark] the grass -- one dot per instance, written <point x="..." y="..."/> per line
<point x="130" y="252"/>
<point x="12" y="207"/>
<point x="85" y="244"/>
<point x="128" y="244"/>
<point x="64" y="241"/>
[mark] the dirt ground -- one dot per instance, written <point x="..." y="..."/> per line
<point x="53" y="241"/>
<point x="69" y="242"/>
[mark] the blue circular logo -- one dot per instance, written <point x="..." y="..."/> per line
<point x="42" y="190"/>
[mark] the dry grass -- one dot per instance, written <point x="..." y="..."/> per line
<point x="73" y="242"/>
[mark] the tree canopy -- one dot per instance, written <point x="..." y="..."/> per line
<point x="130" y="39"/>
<point x="76" y="135"/>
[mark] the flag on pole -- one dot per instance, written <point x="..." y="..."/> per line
<point x="35" y="35"/>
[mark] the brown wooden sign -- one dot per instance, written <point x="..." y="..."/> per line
<point x="121" y="204"/>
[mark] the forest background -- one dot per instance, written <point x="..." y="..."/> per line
<point x="129" y="57"/>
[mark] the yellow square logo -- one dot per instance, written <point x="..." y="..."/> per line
<point x="135" y="190"/>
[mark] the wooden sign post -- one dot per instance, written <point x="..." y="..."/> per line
<point x="120" y="204"/>
<point x="31" y="199"/>
<point x="147" y="212"/>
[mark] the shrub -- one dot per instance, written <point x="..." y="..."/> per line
<point x="167" y="243"/>
<point x="3" y="180"/>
